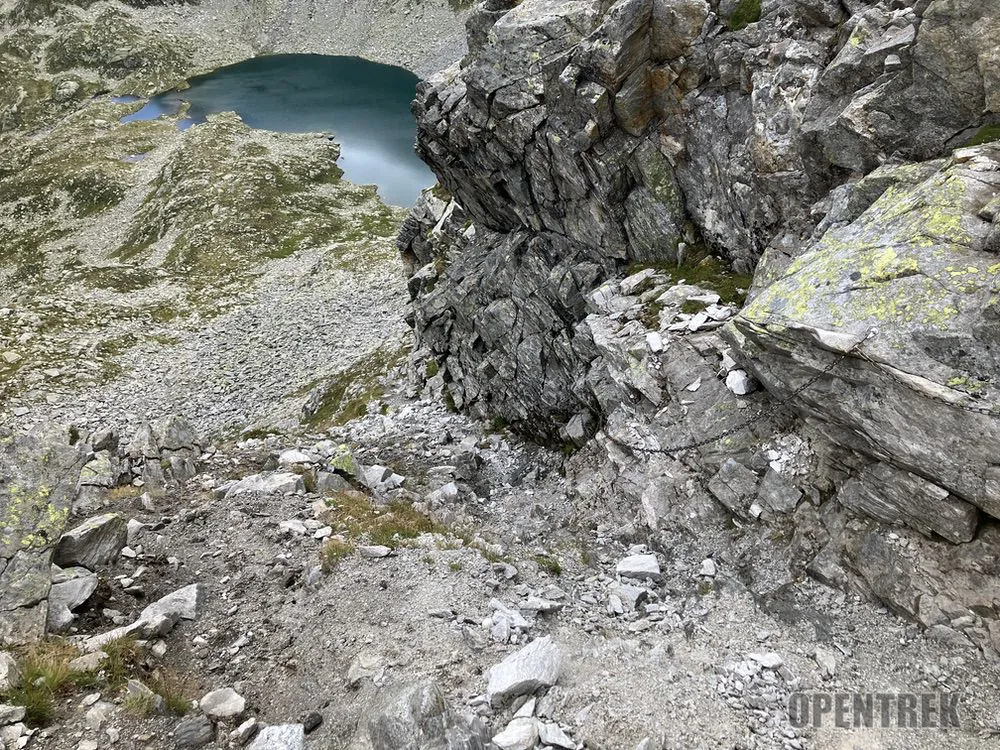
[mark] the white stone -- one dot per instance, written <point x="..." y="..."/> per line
<point x="11" y="714"/>
<point x="827" y="661"/>
<point x="242" y="734"/>
<point x="769" y="660"/>
<point x="293" y="526"/>
<point x="281" y="737"/>
<point x="295" y="458"/>
<point x="373" y="476"/>
<point x="740" y="383"/>
<point x="655" y="342"/>
<point x="278" y="483"/>
<point x="639" y="566"/>
<point x="520" y="734"/>
<point x="719" y="312"/>
<point x="10" y="672"/>
<point x="537" y="665"/>
<point x="374" y="551"/>
<point x="98" y="714"/>
<point x="368" y="665"/>
<point x="552" y="734"/>
<point x="222" y="703"/>
<point x="708" y="568"/>
<point x="185" y="603"/>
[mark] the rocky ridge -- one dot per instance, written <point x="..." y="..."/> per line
<point x="608" y="170"/>
<point x="364" y="567"/>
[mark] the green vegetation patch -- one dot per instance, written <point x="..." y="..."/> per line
<point x="231" y="198"/>
<point x="985" y="134"/>
<point x="746" y="13"/>
<point x="708" y="272"/>
<point x="47" y="680"/>
<point x="357" y="520"/>
<point x="347" y="396"/>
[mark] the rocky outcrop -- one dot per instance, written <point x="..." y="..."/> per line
<point x="38" y="475"/>
<point x="825" y="147"/>
<point x="576" y="140"/>
<point x="915" y="279"/>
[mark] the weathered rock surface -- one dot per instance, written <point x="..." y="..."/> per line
<point x="94" y="543"/>
<point x="418" y="717"/>
<point x="38" y="474"/>
<point x="280" y="737"/>
<point x="906" y="290"/>
<point x="821" y="147"/>
<point x="70" y="589"/>
<point x="194" y="731"/>
<point x="577" y="140"/>
<point x="223" y="703"/>
<point x="535" y="666"/>
<point x="157" y="619"/>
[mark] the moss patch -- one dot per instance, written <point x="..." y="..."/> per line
<point x="357" y="520"/>
<point x="706" y="271"/>
<point x="985" y="134"/>
<point x="746" y="13"/>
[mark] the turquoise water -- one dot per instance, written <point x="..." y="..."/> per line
<point x="364" y="105"/>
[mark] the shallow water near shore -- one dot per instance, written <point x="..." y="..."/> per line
<point x="365" y="106"/>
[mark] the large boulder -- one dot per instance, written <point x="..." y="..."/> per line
<point x="887" y="331"/>
<point x="95" y="542"/>
<point x="417" y="716"/>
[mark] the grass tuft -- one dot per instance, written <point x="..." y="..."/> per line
<point x="549" y="564"/>
<point x="45" y="677"/>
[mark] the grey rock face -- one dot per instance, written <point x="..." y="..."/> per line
<point x="576" y="140"/>
<point x="417" y="717"/>
<point x="907" y="292"/>
<point x="891" y="495"/>
<point x="39" y="473"/>
<point x="69" y="590"/>
<point x="93" y="543"/>
<point x="164" y="452"/>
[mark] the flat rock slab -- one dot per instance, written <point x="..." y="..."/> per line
<point x="194" y="731"/>
<point x="278" y="483"/>
<point x="535" y="666"/>
<point x="639" y="566"/>
<point x="157" y="619"/>
<point x="38" y="475"/>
